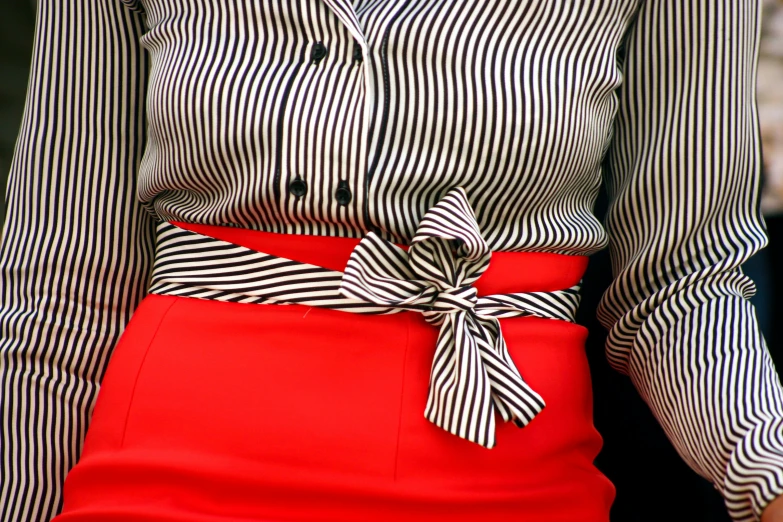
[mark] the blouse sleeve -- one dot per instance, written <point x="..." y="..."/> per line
<point x="76" y="246"/>
<point x="683" y="177"/>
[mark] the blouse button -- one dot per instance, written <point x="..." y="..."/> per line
<point x="343" y="193"/>
<point x="318" y="53"/>
<point x="298" y="187"/>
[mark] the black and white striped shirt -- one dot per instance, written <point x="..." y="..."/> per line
<point x="333" y="117"/>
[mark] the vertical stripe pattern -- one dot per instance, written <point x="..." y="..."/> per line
<point x="334" y="117"/>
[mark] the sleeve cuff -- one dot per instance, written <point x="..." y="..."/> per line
<point x="754" y="477"/>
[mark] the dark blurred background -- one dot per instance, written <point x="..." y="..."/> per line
<point x="636" y="453"/>
<point x="16" y="40"/>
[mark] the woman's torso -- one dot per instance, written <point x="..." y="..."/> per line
<point x="512" y="100"/>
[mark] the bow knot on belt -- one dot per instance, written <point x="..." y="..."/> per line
<point x="453" y="300"/>
<point x="472" y="372"/>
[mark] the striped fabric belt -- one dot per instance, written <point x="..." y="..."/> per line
<point x="472" y="371"/>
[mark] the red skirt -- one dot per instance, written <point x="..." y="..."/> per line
<point x="213" y="411"/>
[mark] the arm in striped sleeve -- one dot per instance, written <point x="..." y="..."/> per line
<point x="683" y="177"/>
<point x="76" y="246"/>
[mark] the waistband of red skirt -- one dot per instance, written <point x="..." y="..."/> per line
<point x="508" y="272"/>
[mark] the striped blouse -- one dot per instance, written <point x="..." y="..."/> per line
<point x="339" y="117"/>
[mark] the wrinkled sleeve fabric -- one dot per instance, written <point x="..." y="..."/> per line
<point x="683" y="176"/>
<point x="76" y="247"/>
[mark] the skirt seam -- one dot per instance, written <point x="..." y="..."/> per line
<point x="141" y="367"/>
<point x="402" y="395"/>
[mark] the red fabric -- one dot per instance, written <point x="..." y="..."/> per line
<point x="216" y="411"/>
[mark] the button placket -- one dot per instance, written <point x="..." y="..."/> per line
<point x="338" y="50"/>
